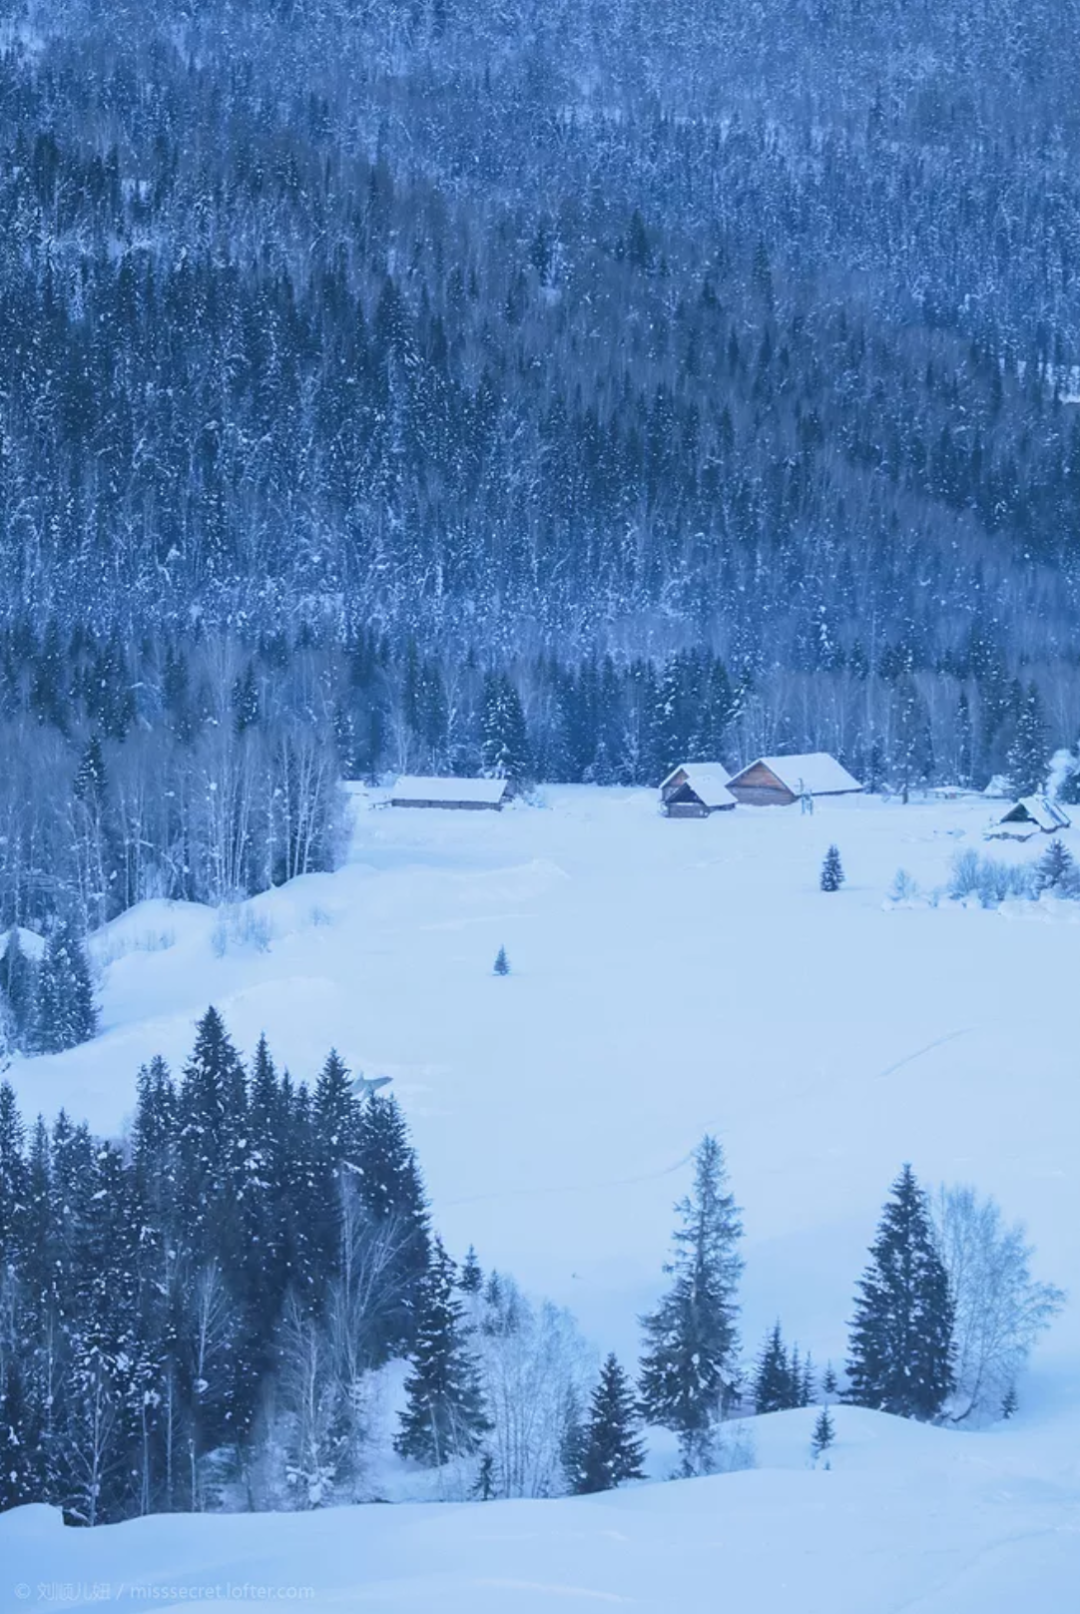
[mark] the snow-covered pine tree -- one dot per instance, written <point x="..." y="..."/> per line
<point x="21" y="1477"/>
<point x="901" y="1357"/>
<point x="212" y="1143"/>
<point x="444" y="1416"/>
<point x="689" y="1364"/>
<point x="772" y="1378"/>
<point x="828" y="1381"/>
<point x="824" y="1433"/>
<point x="18" y="981"/>
<point x="505" y="745"/>
<point x="502" y="963"/>
<point x="806" y="1382"/>
<point x="1009" y="1402"/>
<point x="611" y="1450"/>
<point x="832" y="873"/>
<point x="391" y="1192"/>
<point x="65" y="1014"/>
<point x="1027" y="759"/>
<point x="13" y="1180"/>
<point x="1056" y="870"/>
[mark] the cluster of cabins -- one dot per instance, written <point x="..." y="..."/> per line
<point x="698" y="789"/>
<point x="692" y="791"/>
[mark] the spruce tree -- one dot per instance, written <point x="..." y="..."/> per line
<point x="65" y="1014"/>
<point x="502" y="963"/>
<point x="901" y="1356"/>
<point x="611" y="1451"/>
<point x="391" y="1191"/>
<point x="689" y="1365"/>
<point x="444" y="1416"/>
<point x="828" y="1382"/>
<point x="471" y="1278"/>
<point x="18" y="981"/>
<point x="1027" y="758"/>
<point x="14" y="1184"/>
<point x="1056" y="869"/>
<point x="824" y="1433"/>
<point x="832" y="874"/>
<point x="21" y="1477"/>
<point x="772" y="1379"/>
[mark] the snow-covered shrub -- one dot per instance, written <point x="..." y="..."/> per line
<point x="903" y="888"/>
<point x="991" y="881"/>
<point x="238" y="926"/>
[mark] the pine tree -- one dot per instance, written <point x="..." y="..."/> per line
<point x="832" y="874"/>
<point x="689" y="1365"/>
<point x="506" y="752"/>
<point x="806" y="1382"/>
<point x="1027" y="758"/>
<point x="828" y="1382"/>
<point x="444" y="1416"/>
<point x="824" y="1433"/>
<point x="471" y="1278"/>
<point x="18" y="981"/>
<point x="1009" y="1402"/>
<point x="65" y="1014"/>
<point x="391" y="1192"/>
<point x="611" y="1451"/>
<point x="772" y="1380"/>
<point x="502" y="963"/>
<point x="13" y="1181"/>
<point x="212" y="1151"/>
<point x="1056" y="869"/>
<point x="21" y="1477"/>
<point x="484" y="1486"/>
<point x="901" y="1342"/>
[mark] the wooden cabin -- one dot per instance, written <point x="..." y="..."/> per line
<point x="780" y="781"/>
<point x="695" y="790"/>
<point x="462" y="795"/>
<point x="1040" y="813"/>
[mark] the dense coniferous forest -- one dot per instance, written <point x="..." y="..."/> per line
<point x="561" y="392"/>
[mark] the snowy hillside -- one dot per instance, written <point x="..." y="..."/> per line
<point x="667" y="978"/>
<point x="909" y="1519"/>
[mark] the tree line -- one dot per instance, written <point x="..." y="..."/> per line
<point x="205" y="766"/>
<point x="196" y="1318"/>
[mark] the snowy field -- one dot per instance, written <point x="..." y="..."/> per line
<point x="669" y="978"/>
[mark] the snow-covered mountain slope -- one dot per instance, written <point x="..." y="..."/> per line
<point x="909" y="1520"/>
<point x="668" y="978"/>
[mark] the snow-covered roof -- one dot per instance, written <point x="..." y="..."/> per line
<point x="715" y="770"/>
<point x="708" y="781"/>
<point x="815" y="773"/>
<point x="415" y="787"/>
<point x="1041" y="810"/>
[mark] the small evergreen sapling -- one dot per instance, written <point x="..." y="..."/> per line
<point x="832" y="873"/>
<point x="1056" y="870"/>
<point x="824" y="1434"/>
<point x="484" y="1486"/>
<point x="502" y="963"/>
<point x="1009" y="1402"/>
